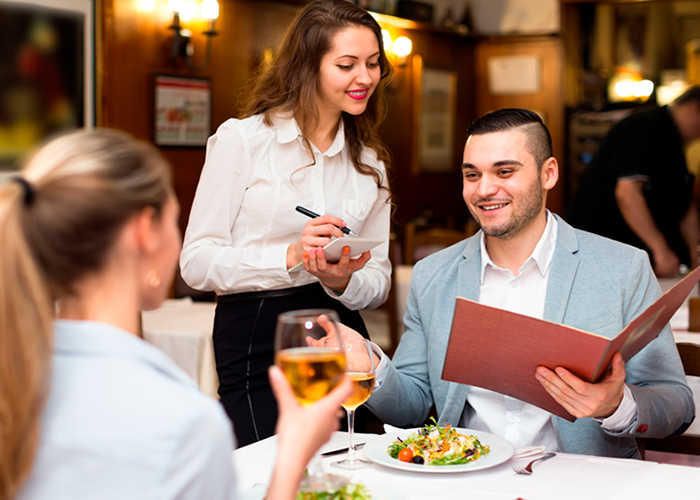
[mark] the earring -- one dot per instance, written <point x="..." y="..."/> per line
<point x="152" y="279"/>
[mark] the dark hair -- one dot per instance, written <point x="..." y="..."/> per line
<point x="690" y="95"/>
<point x="289" y="85"/>
<point x="539" y="141"/>
<point x="58" y="224"/>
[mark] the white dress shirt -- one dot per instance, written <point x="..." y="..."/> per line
<point x="122" y="421"/>
<point x="520" y="423"/>
<point x="243" y="217"/>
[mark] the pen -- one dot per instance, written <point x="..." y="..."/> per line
<point x="313" y="215"/>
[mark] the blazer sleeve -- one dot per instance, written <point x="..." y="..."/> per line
<point x="665" y="404"/>
<point x="405" y="396"/>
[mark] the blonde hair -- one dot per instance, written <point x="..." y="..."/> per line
<point x="58" y="225"/>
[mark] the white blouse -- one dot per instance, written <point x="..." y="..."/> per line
<point x="243" y="217"/>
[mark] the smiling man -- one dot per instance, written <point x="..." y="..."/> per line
<point x="528" y="260"/>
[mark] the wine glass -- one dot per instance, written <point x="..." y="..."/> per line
<point x="309" y="351"/>
<point x="359" y="367"/>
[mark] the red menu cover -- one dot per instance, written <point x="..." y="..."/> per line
<point x="500" y="350"/>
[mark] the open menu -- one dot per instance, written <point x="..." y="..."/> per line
<point x="500" y="350"/>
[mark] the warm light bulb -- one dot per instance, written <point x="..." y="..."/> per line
<point x="623" y="88"/>
<point x="176" y="5"/>
<point x="403" y="46"/>
<point x="210" y="9"/>
<point x="387" y="41"/>
<point x="643" y="88"/>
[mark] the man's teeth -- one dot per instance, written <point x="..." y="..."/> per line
<point x="494" y="207"/>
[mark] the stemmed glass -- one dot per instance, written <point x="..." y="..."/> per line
<point x="359" y="367"/>
<point x="309" y="350"/>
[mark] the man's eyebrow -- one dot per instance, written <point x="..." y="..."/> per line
<point x="497" y="164"/>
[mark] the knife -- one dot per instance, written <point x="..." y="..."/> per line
<point x="341" y="450"/>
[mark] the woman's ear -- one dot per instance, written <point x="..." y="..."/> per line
<point x="146" y="227"/>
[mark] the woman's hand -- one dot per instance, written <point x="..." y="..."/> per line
<point x="317" y="233"/>
<point x="308" y="250"/>
<point x="334" y="276"/>
<point x="301" y="431"/>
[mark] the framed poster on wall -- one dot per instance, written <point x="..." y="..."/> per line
<point x="182" y="111"/>
<point x="47" y="77"/>
<point x="434" y="120"/>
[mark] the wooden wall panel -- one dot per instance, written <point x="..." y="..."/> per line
<point x="548" y="101"/>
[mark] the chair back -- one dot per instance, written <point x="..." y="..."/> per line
<point x="436" y="238"/>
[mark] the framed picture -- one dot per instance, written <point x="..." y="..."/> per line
<point x="182" y="111"/>
<point x="47" y="76"/>
<point x="434" y="120"/>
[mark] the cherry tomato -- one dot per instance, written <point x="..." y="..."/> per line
<point x="405" y="455"/>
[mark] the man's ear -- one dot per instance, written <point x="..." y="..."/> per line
<point x="550" y="173"/>
<point x="147" y="237"/>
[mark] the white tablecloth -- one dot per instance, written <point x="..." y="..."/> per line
<point x="570" y="477"/>
<point x="183" y="330"/>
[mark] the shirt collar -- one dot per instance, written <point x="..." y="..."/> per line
<point x="95" y="339"/>
<point x="542" y="254"/>
<point x="288" y="130"/>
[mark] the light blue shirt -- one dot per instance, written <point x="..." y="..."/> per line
<point x="122" y="421"/>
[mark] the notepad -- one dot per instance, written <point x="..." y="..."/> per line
<point x="334" y="250"/>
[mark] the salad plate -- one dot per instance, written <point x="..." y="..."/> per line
<point x="378" y="492"/>
<point x="501" y="451"/>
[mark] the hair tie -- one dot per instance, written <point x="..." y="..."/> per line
<point x="28" y="189"/>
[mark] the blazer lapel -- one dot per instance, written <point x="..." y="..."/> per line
<point x="561" y="273"/>
<point x="468" y="284"/>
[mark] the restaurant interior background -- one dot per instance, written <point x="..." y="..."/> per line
<point x="561" y="59"/>
<point x="582" y="65"/>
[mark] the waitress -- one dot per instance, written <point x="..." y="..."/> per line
<point x="310" y="138"/>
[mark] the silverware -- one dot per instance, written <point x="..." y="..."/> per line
<point x="341" y="450"/>
<point x="527" y="470"/>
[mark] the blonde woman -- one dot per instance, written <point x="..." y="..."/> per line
<point x="88" y="409"/>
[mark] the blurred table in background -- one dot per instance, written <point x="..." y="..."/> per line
<point x="182" y="329"/>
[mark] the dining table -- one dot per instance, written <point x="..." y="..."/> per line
<point x="564" y="477"/>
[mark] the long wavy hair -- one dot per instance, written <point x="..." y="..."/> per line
<point x="59" y="223"/>
<point x="289" y="86"/>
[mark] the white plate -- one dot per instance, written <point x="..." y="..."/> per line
<point x="501" y="451"/>
<point x="379" y="492"/>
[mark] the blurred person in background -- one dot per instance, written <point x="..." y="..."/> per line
<point x="638" y="190"/>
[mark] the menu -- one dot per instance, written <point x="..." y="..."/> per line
<point x="500" y="350"/>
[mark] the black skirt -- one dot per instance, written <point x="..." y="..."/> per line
<point x="244" y="333"/>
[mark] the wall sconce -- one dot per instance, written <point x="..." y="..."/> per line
<point x="182" y="43"/>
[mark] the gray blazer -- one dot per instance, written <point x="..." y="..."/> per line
<point x="595" y="284"/>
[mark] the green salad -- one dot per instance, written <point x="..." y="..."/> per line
<point x="351" y="491"/>
<point x="433" y="445"/>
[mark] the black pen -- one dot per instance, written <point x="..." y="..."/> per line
<point x="313" y="215"/>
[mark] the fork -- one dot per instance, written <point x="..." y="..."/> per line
<point x="527" y="470"/>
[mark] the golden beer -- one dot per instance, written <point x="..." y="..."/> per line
<point x="312" y="372"/>
<point x="362" y="385"/>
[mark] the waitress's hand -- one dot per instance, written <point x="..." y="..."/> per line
<point x="317" y="233"/>
<point x="334" y="276"/>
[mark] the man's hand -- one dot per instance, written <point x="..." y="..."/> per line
<point x="583" y="399"/>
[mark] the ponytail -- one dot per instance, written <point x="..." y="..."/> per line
<point x="25" y="341"/>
